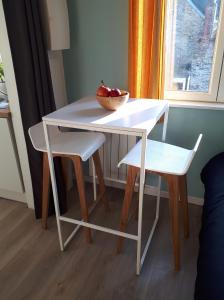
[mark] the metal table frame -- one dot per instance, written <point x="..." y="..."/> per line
<point x="138" y="238"/>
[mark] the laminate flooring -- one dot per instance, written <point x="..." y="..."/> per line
<point x="33" y="268"/>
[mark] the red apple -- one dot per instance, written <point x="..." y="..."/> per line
<point x="103" y="90"/>
<point x="115" y="93"/>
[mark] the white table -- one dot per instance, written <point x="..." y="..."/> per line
<point x="137" y="118"/>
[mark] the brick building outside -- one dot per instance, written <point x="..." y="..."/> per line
<point x="196" y="27"/>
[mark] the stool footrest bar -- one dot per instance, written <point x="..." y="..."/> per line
<point x="100" y="228"/>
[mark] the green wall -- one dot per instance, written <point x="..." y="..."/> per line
<point x="99" y="44"/>
<point x="99" y="47"/>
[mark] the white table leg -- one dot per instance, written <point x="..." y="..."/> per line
<point x="165" y="123"/>
<point x="159" y="179"/>
<point x="141" y="194"/>
<point x="139" y="264"/>
<point x="54" y="185"/>
<point x="94" y="180"/>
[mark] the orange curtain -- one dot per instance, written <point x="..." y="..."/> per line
<point x="146" y="48"/>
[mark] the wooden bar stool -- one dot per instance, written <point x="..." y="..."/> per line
<point x="172" y="163"/>
<point x="77" y="146"/>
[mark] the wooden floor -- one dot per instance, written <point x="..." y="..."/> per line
<point x="32" y="266"/>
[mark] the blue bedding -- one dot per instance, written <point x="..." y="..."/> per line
<point x="210" y="269"/>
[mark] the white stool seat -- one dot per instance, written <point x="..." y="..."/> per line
<point x="162" y="157"/>
<point x="172" y="163"/>
<point x="82" y="144"/>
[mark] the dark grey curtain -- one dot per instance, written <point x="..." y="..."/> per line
<point x="34" y="84"/>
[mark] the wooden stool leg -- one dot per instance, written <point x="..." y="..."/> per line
<point x="45" y="191"/>
<point x="174" y="198"/>
<point x="99" y="173"/>
<point x="129" y="190"/>
<point x="184" y="203"/>
<point x="82" y="197"/>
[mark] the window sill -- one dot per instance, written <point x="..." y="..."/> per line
<point x="4" y="113"/>
<point x="196" y="105"/>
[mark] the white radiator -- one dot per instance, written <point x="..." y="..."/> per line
<point x="113" y="150"/>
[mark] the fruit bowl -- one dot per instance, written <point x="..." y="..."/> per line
<point x="113" y="103"/>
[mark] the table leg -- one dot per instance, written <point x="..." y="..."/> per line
<point x="53" y="183"/>
<point x="94" y="180"/>
<point x="140" y="261"/>
<point x="165" y="123"/>
<point x="141" y="194"/>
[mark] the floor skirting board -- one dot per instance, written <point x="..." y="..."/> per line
<point x="149" y="190"/>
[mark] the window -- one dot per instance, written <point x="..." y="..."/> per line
<point x="194" y="49"/>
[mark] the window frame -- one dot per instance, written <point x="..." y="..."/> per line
<point x="213" y="94"/>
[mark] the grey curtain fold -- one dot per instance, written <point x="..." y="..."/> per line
<point x="31" y="66"/>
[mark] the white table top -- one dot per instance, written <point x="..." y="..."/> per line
<point x="136" y="117"/>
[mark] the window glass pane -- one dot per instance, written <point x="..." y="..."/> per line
<point x="190" y="39"/>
